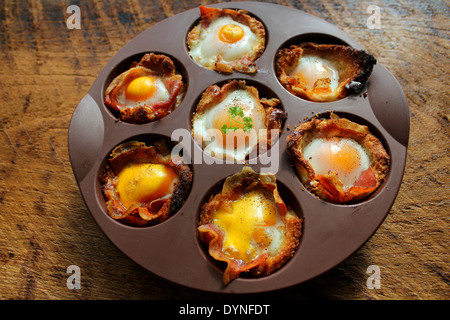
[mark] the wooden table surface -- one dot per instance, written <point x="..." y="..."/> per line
<point x="46" y="69"/>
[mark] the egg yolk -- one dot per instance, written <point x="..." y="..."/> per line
<point x="243" y="222"/>
<point x="309" y="76"/>
<point x="231" y="33"/>
<point x="237" y="137"/>
<point x="312" y="69"/>
<point x="140" y="183"/>
<point x="140" y="88"/>
<point x="340" y="157"/>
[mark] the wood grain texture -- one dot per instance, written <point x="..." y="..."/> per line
<point x="46" y="70"/>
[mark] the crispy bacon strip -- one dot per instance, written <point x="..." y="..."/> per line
<point x="367" y="179"/>
<point x="334" y="192"/>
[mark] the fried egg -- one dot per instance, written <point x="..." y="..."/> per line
<point x="226" y="40"/>
<point x="252" y="226"/>
<point x="232" y="144"/>
<point x="249" y="226"/>
<point x="311" y="69"/>
<point x="143" y="89"/>
<point x="344" y="156"/>
<point x="233" y="123"/>
<point x="323" y="72"/>
<point x="225" y="37"/>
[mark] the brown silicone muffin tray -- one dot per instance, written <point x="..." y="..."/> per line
<point x="171" y="249"/>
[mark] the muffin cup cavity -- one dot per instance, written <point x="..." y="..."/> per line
<point x="141" y="150"/>
<point x="330" y="69"/>
<point x="372" y="142"/>
<point x="130" y="62"/>
<point x="288" y="197"/>
<point x="275" y="116"/>
<point x="237" y="49"/>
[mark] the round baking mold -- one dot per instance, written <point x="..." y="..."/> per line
<point x="331" y="233"/>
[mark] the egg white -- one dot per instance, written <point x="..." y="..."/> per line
<point x="276" y="234"/>
<point x="314" y="68"/>
<point x="314" y="151"/>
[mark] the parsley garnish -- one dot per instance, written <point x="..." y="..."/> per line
<point x="237" y="112"/>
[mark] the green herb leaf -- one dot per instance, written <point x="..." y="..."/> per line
<point x="248" y="124"/>
<point x="224" y="129"/>
<point x="234" y="112"/>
